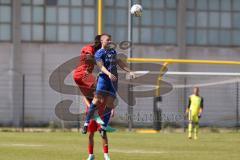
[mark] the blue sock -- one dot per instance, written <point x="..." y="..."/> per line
<point x="90" y="113"/>
<point x="106" y="117"/>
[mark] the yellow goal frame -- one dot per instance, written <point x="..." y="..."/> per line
<point x="166" y="62"/>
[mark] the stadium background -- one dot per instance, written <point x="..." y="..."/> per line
<point x="37" y="36"/>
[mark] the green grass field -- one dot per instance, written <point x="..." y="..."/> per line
<point x="123" y="146"/>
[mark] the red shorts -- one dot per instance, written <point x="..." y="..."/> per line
<point x="93" y="125"/>
<point x="86" y="82"/>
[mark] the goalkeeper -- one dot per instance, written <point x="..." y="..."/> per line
<point x="194" y="111"/>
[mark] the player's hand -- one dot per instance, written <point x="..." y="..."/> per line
<point x="132" y="75"/>
<point x="112" y="77"/>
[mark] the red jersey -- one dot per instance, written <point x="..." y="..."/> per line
<point x="85" y="65"/>
<point x="81" y="75"/>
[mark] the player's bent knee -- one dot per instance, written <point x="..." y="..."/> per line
<point x="96" y="100"/>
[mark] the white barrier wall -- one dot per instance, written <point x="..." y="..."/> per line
<point x="39" y="61"/>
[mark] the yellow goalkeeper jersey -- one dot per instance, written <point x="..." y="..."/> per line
<point x="195" y="103"/>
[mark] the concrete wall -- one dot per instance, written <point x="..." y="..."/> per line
<point x="5" y="106"/>
<point x="40" y="60"/>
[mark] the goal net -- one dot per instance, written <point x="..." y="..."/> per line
<point x="219" y="90"/>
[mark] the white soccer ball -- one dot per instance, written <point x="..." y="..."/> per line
<point x="136" y="10"/>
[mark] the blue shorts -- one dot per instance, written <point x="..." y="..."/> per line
<point x="106" y="87"/>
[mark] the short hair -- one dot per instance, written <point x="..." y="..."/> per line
<point x="105" y="34"/>
<point x="196" y="88"/>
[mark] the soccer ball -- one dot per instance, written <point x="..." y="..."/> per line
<point x="136" y="10"/>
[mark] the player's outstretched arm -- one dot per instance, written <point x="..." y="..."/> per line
<point x="124" y="67"/>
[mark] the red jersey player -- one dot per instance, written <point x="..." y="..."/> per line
<point x="86" y="82"/>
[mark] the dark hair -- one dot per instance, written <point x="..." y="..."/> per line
<point x="97" y="42"/>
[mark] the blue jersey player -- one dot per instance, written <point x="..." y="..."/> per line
<point x="107" y="61"/>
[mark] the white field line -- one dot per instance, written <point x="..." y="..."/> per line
<point x="136" y="151"/>
<point x="22" y="145"/>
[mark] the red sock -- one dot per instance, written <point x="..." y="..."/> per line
<point x="105" y="148"/>
<point x="90" y="149"/>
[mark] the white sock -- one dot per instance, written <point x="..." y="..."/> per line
<point x="90" y="155"/>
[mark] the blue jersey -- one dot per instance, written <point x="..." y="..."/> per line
<point x="109" y="59"/>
